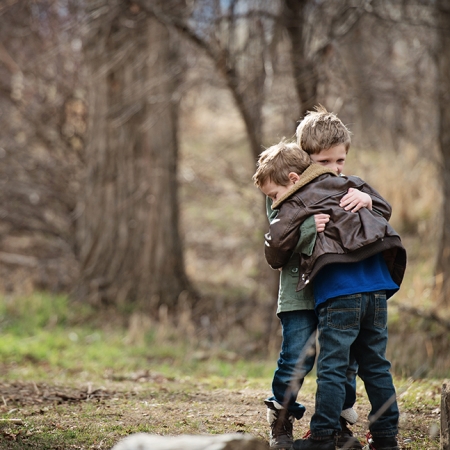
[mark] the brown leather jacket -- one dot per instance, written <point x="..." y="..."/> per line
<point x="348" y="237"/>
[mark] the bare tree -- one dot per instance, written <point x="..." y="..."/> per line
<point x="314" y="30"/>
<point x="305" y="70"/>
<point x="128" y="240"/>
<point x="381" y="74"/>
<point x="237" y="38"/>
<point x="240" y="38"/>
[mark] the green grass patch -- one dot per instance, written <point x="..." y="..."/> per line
<point x="44" y="333"/>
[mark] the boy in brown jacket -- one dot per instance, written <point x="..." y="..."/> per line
<point x="350" y="298"/>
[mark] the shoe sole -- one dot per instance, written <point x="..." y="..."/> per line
<point x="349" y="447"/>
<point x="286" y="446"/>
<point x="281" y="447"/>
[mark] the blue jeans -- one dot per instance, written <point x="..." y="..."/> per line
<point x="356" y="323"/>
<point x="297" y="328"/>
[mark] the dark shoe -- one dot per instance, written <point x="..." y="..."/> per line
<point x="314" y="444"/>
<point x="346" y="439"/>
<point x="384" y="443"/>
<point x="281" y="426"/>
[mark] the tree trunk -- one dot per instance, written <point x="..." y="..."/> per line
<point x="445" y="416"/>
<point x="127" y="231"/>
<point x="306" y="77"/>
<point x="443" y="62"/>
<point x="357" y="68"/>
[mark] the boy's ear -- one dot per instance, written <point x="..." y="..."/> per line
<point x="294" y="177"/>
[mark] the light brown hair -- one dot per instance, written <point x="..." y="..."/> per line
<point x="320" y="130"/>
<point x="276" y="162"/>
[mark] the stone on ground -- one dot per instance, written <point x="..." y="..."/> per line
<point x="236" y="441"/>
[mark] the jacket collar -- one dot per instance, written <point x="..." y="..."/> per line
<point x="311" y="173"/>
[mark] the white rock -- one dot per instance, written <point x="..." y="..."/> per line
<point x="236" y="441"/>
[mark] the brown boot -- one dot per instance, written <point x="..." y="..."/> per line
<point x="281" y="426"/>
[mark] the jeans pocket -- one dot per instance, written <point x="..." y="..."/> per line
<point x="344" y="312"/>
<point x="381" y="314"/>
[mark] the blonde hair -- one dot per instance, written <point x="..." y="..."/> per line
<point x="320" y="130"/>
<point x="276" y="162"/>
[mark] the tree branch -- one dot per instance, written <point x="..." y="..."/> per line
<point x="430" y="316"/>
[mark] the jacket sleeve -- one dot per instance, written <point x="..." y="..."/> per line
<point x="379" y="204"/>
<point x="283" y="235"/>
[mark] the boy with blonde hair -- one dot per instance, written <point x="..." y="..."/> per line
<point x="295" y="311"/>
<point x="322" y="132"/>
<point x="350" y="298"/>
<point x="327" y="141"/>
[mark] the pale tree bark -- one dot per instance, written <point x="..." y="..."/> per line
<point x="129" y="244"/>
<point x="443" y="83"/>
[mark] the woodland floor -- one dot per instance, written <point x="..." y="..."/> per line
<point x="46" y="416"/>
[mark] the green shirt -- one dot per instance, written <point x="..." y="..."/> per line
<point x="288" y="297"/>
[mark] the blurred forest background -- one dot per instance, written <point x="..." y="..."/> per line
<point x="130" y="129"/>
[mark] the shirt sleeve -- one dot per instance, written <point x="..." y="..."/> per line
<point x="283" y="235"/>
<point x="308" y="235"/>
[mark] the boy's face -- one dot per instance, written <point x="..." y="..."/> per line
<point x="333" y="158"/>
<point x="275" y="191"/>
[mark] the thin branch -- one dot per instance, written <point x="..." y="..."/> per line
<point x="430" y="316"/>
<point x="20" y="260"/>
<point x="7" y="60"/>
<point x="182" y="27"/>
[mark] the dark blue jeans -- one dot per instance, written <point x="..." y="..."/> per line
<point x="354" y="324"/>
<point x="297" y="328"/>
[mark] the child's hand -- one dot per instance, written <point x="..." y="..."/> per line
<point x="354" y="200"/>
<point x="321" y="221"/>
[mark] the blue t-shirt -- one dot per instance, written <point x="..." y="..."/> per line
<point x="338" y="279"/>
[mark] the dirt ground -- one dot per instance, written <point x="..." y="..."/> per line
<point x="37" y="415"/>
